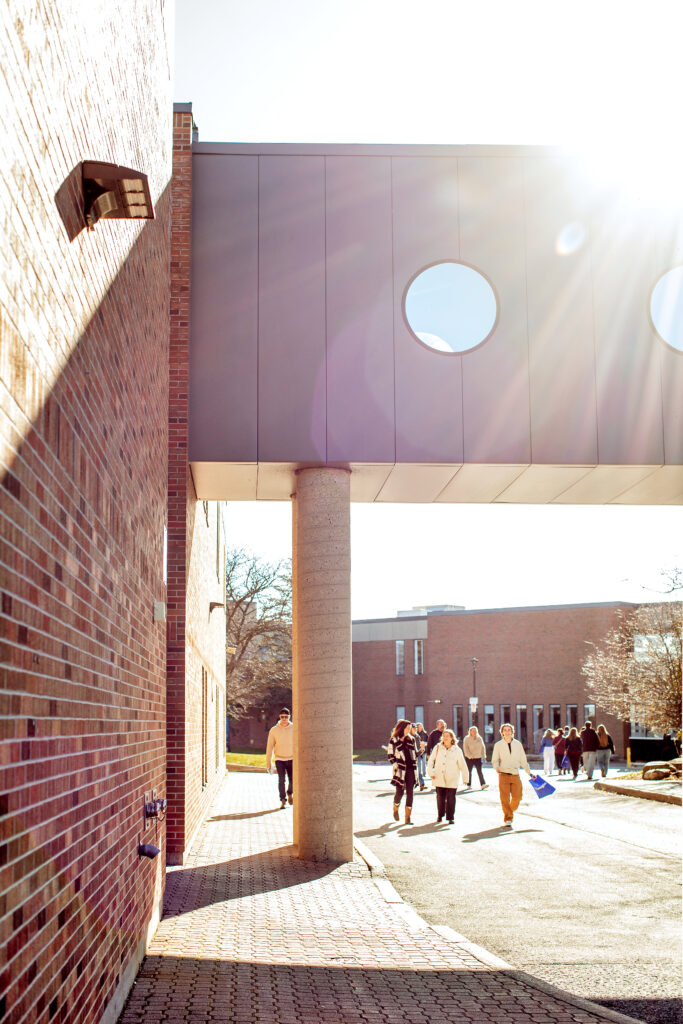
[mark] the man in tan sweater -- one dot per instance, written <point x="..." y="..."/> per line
<point x="281" y="745"/>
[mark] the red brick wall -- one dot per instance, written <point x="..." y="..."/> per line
<point x="525" y="656"/>
<point x="196" y="636"/>
<point x="83" y="392"/>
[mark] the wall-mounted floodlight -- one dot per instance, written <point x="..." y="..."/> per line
<point x="115" y="193"/>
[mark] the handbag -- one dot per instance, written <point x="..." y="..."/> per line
<point x="565" y="762"/>
<point x="541" y="786"/>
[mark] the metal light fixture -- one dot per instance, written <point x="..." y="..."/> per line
<point x="115" y="193"/>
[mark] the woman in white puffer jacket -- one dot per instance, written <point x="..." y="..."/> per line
<point x="447" y="769"/>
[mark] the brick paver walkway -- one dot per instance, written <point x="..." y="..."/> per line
<point x="251" y="934"/>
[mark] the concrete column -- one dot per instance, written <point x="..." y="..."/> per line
<point x="321" y="665"/>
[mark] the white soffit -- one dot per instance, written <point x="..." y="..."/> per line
<point x="474" y="484"/>
<point x="413" y="482"/>
<point x="539" y="485"/>
<point x="663" y="487"/>
<point x="276" y="481"/>
<point x="604" y="484"/>
<point x="224" y="481"/>
<point x="367" y="480"/>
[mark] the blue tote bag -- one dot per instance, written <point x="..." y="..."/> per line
<point x="542" y="786"/>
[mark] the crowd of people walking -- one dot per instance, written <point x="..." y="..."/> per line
<point x="415" y="755"/>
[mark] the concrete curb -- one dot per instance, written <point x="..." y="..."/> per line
<point x="244" y="768"/>
<point x="490" y="960"/>
<point x="644" y="794"/>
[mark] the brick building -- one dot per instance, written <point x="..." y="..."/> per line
<point x="88" y="495"/>
<point x="524" y="663"/>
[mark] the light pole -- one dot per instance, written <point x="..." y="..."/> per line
<point x="473" y="699"/>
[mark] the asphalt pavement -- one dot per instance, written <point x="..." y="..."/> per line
<point x="583" y="892"/>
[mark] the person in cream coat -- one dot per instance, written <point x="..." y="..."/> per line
<point x="447" y="769"/>
<point x="508" y="758"/>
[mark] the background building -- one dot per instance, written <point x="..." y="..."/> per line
<point x="523" y="665"/>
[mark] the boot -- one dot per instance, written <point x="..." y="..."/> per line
<point x="395" y="812"/>
<point x="408" y="821"/>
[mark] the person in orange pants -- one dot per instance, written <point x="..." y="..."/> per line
<point x="508" y="758"/>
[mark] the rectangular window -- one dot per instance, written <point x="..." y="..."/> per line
<point x="400" y="657"/>
<point x="218" y="541"/>
<point x="205" y="701"/>
<point x="400" y="712"/>
<point x="572" y="715"/>
<point x="419" y="657"/>
<point x="489" y="723"/>
<point x="539" y="723"/>
<point x="589" y="713"/>
<point x="505" y="714"/>
<point x="419" y="713"/>
<point x="457" y="720"/>
<point x="521" y="732"/>
<point x="555" y="716"/>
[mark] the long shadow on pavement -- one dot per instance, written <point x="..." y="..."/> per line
<point x="496" y="833"/>
<point x="190" y="888"/>
<point x="244" y="814"/>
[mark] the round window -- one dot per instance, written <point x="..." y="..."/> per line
<point x="666" y="308"/>
<point x="450" y="307"/>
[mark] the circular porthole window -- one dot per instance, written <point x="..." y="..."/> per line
<point x="450" y="307"/>
<point x="666" y="308"/>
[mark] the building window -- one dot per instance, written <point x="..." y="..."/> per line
<point x="419" y="713"/>
<point x="589" y="713"/>
<point x="572" y="715"/>
<point x="218" y="727"/>
<point x="505" y="715"/>
<point x="457" y="720"/>
<point x="489" y="723"/>
<point x="205" y="710"/>
<point x="218" y="541"/>
<point x="400" y="712"/>
<point x="419" y="657"/>
<point x="400" y="658"/>
<point x="555" y="716"/>
<point x="539" y="720"/>
<point x="521" y="732"/>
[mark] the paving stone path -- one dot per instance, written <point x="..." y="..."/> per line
<point x="251" y="934"/>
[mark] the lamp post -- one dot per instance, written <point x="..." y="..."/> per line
<point x="473" y="699"/>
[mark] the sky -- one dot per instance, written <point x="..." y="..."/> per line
<point x="600" y="76"/>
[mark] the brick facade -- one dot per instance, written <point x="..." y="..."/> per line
<point x="84" y="392"/>
<point x="196" y="636"/>
<point x="526" y="656"/>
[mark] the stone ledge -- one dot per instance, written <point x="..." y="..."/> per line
<point x="644" y="794"/>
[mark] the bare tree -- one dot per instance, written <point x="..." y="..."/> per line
<point x="635" y="673"/>
<point x="258" y="601"/>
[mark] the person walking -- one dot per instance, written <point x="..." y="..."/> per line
<point x="605" y="749"/>
<point x="474" y="749"/>
<point x="508" y="758"/>
<point x="547" y="749"/>
<point x="421" y="739"/>
<point x="403" y="759"/>
<point x="589" y="748"/>
<point x="281" y="746"/>
<point x="558" y="747"/>
<point x="573" y="748"/>
<point x="435" y="736"/>
<point x="447" y="768"/>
